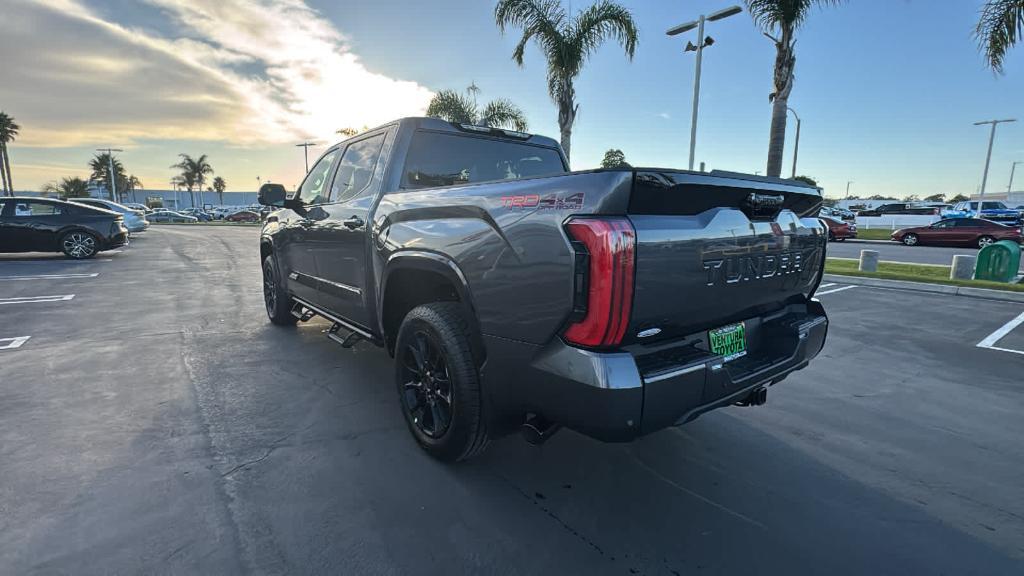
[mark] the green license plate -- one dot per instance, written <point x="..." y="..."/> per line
<point x="729" y="341"/>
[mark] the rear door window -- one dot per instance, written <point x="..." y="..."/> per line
<point x="356" y="169"/>
<point x="439" y="159"/>
<point x="27" y="209"/>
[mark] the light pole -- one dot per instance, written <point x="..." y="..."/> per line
<point x="113" y="179"/>
<point x="702" y="42"/>
<point x="796" y="145"/>
<point x="988" y="156"/>
<point x="1013" y="168"/>
<point x="848" y="182"/>
<point x="305" y="152"/>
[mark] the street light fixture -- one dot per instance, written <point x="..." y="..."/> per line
<point x="305" y="152"/>
<point x="702" y="42"/>
<point x="796" y="145"/>
<point x="1013" y="168"/>
<point x="110" y="161"/>
<point x="988" y="156"/>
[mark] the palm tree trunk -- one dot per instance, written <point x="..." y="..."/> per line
<point x="785" y="62"/>
<point x="567" y="115"/>
<point x="7" y="169"/>
<point x="3" y="175"/>
<point x="777" y="137"/>
<point x="220" y="196"/>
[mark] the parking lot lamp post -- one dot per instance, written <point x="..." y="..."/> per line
<point x="796" y="144"/>
<point x="699" y="49"/>
<point x="305" y="152"/>
<point x="113" y="179"/>
<point x="1013" y="168"/>
<point x="848" y="182"/>
<point x="988" y="156"/>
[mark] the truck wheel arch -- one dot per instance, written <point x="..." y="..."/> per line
<point x="413" y="278"/>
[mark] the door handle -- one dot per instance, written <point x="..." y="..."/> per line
<point x="353" y="222"/>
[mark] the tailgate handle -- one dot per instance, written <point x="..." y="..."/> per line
<point x="763" y="205"/>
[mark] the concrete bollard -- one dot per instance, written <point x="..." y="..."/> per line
<point x="868" y="261"/>
<point x="963" y="267"/>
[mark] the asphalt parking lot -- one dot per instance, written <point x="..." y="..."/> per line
<point x="153" y="421"/>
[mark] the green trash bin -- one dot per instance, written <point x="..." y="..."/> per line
<point x="998" y="261"/>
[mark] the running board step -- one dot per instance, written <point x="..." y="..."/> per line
<point x="348" y="341"/>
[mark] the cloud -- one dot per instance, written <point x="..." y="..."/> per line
<point x="242" y="71"/>
<point x="664" y="115"/>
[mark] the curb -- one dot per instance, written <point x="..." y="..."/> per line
<point x="967" y="291"/>
<point x="857" y="241"/>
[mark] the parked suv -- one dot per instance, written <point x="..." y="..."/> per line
<point x="990" y="210"/>
<point x="514" y="294"/>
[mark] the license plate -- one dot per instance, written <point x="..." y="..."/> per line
<point x="729" y="341"/>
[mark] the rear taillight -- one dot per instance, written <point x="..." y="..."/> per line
<point x="606" y="248"/>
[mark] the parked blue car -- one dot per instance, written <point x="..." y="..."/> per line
<point x="990" y="210"/>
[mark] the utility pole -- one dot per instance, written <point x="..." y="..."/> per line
<point x="848" y="182"/>
<point x="305" y="153"/>
<point x="1013" y="168"/>
<point x="702" y="43"/>
<point x="988" y="156"/>
<point x="113" y="178"/>
<point x="796" y="146"/>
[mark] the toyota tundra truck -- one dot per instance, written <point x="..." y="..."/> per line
<point x="514" y="294"/>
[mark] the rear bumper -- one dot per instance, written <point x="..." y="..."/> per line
<point x="116" y="241"/>
<point x="622" y="395"/>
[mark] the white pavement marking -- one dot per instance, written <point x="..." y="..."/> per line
<point x="990" y="341"/>
<point x="34" y="299"/>
<point x="827" y="285"/>
<point x="834" y="290"/>
<point x="49" y="276"/>
<point x="13" y="343"/>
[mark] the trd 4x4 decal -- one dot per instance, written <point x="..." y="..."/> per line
<point x="551" y="201"/>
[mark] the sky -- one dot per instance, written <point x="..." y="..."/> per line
<point x="887" y="90"/>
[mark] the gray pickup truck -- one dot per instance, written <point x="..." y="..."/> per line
<point x="515" y="294"/>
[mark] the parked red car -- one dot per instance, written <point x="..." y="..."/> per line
<point x="958" y="232"/>
<point x="839" y="230"/>
<point x="243" y="216"/>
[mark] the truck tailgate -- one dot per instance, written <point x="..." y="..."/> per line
<point x="712" y="250"/>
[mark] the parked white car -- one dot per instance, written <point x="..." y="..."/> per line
<point x="134" y="220"/>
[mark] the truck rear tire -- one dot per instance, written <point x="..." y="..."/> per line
<point x="439" y="384"/>
<point x="275" y="297"/>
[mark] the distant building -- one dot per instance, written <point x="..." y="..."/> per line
<point x="1011" y="199"/>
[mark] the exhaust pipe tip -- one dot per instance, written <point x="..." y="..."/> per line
<point x="536" y="430"/>
<point x="755" y="398"/>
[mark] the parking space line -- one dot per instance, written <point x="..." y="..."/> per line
<point x="834" y="290"/>
<point x="34" y="299"/>
<point x="13" y="343"/>
<point x="990" y="340"/>
<point x="49" y="276"/>
<point x="827" y="285"/>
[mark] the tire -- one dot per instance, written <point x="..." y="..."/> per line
<point x="910" y="239"/>
<point x="79" y="245"/>
<point x="831" y="236"/>
<point x="276" y="300"/>
<point x="985" y="241"/>
<point x="438" y="333"/>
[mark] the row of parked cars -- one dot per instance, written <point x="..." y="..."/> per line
<point x="83" y="227"/>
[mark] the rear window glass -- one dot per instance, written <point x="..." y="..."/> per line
<point x="437" y="159"/>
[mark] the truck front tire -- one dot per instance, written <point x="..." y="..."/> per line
<point x="438" y="382"/>
<point x="275" y="297"/>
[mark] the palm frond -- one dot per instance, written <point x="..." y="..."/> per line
<point x="771" y="14"/>
<point x="543" y="20"/>
<point x="452" y="106"/>
<point x="1000" y="27"/>
<point x="502" y="113"/>
<point x="598" y="23"/>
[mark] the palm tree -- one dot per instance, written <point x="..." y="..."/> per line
<point x="133" y="182"/>
<point x="193" y="173"/>
<point x="454" y="107"/>
<point x="100" y="166"/>
<point x="8" y="132"/>
<point x="73" y="187"/>
<point x="218" y="186"/>
<point x="1000" y="26"/>
<point x="567" y="42"/>
<point x="781" y="18"/>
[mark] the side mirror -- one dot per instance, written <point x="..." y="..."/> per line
<point x="273" y="195"/>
